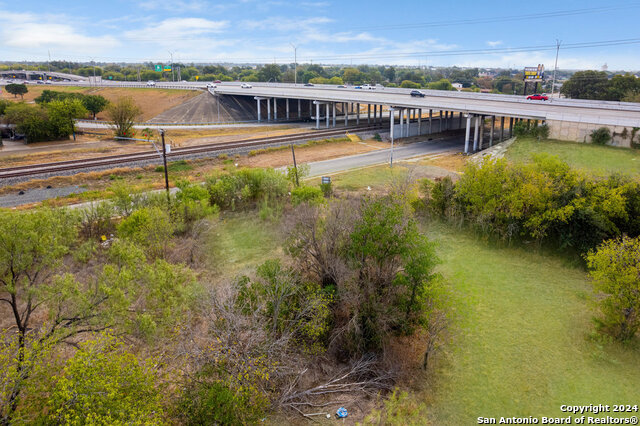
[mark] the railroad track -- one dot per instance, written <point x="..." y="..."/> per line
<point x="112" y="160"/>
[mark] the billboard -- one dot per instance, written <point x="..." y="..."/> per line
<point x="534" y="73"/>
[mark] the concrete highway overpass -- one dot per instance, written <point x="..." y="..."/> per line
<point x="39" y="75"/>
<point x="568" y="119"/>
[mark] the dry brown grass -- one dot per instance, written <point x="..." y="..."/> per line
<point x="454" y="162"/>
<point x="152" y="101"/>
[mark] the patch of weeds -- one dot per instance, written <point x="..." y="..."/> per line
<point x="176" y="166"/>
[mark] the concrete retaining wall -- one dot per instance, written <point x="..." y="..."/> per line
<point x="580" y="132"/>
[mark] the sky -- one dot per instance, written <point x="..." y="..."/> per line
<point x="444" y="33"/>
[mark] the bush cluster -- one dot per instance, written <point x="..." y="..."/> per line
<point x="53" y="121"/>
<point x="246" y="188"/>
<point x="523" y="128"/>
<point x="544" y="201"/>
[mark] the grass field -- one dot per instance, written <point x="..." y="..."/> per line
<point x="521" y="342"/>
<point x="597" y="159"/>
<point x="241" y="241"/>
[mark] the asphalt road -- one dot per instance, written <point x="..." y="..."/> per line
<point x="402" y="152"/>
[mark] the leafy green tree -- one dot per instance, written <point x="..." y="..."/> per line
<point x="352" y="75"/>
<point x="586" y="85"/>
<point x="103" y="384"/>
<point x="124" y="113"/>
<point x="62" y="115"/>
<point x="32" y="246"/>
<point x="442" y="84"/>
<point x="17" y="89"/>
<point x="615" y="268"/>
<point x="4" y="104"/>
<point x="95" y="104"/>
<point x="621" y="85"/>
<point x="270" y="72"/>
<point x="128" y="294"/>
<point x="408" y="84"/>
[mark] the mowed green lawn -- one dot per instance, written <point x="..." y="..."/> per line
<point x="597" y="159"/>
<point x="521" y="343"/>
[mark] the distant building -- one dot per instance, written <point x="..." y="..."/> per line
<point x="457" y="86"/>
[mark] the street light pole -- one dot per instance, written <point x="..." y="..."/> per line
<point x="555" y="68"/>
<point x="295" y="63"/>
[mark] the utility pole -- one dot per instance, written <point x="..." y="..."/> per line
<point x="164" y="161"/>
<point x="295" y="63"/>
<point x="171" y="53"/>
<point x="555" y="68"/>
<point x="49" y="61"/>
<point x="295" y="166"/>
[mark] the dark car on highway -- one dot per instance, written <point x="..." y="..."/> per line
<point x="538" y="97"/>
<point x="309" y="84"/>
<point x="417" y="93"/>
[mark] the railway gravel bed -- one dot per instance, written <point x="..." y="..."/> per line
<point x="7" y="181"/>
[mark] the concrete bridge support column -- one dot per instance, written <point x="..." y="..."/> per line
<point x="493" y="129"/>
<point x="501" y="129"/>
<point x="467" y="133"/>
<point x="511" y="127"/>
<point x="258" y="102"/>
<point x="391" y="126"/>
<point x="317" y="115"/>
<point x="357" y="114"/>
<point x="334" y="113"/>
<point x="328" y="113"/>
<point x="275" y="109"/>
<point x="440" y="123"/>
<point x="346" y="115"/>
<point x="419" y="121"/>
<point x="287" y="103"/>
<point x="481" y="133"/>
<point x="430" y="121"/>
<point x="460" y="120"/>
<point x="299" y="110"/>
<point x="476" y="132"/>
<point x="380" y="115"/>
<point x="268" y="109"/>
<point x="401" y="113"/>
<point x="368" y="113"/>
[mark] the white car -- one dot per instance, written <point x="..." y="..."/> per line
<point x="151" y="83"/>
<point x="246" y="86"/>
<point x="211" y="86"/>
<point x="367" y="87"/>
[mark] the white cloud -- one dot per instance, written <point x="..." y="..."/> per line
<point x="173" y="5"/>
<point x="281" y="24"/>
<point x="30" y="31"/>
<point x="494" y="43"/>
<point x="177" y="29"/>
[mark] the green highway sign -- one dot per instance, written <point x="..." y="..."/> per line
<point x="158" y="68"/>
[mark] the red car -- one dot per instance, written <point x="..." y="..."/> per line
<point x="217" y="81"/>
<point x="537" y="97"/>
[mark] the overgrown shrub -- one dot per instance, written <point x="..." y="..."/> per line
<point x="150" y="227"/>
<point x="246" y="187"/>
<point x="104" y="384"/>
<point x="523" y="128"/>
<point x="601" y="136"/>
<point x="615" y="268"/>
<point x="307" y="194"/>
<point x="544" y="201"/>
<point x="192" y="204"/>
